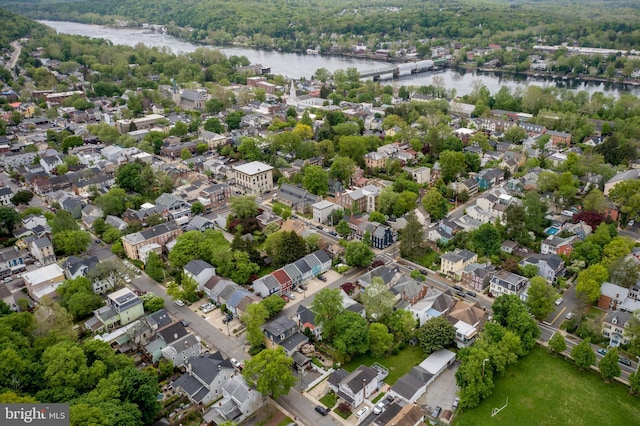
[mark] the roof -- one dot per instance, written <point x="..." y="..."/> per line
<point x="362" y="374"/>
<point x="206" y="367"/>
<point x="437" y="361"/>
<point x="43" y="274"/>
<point x="252" y="168"/>
<point x="279" y="325"/>
<point x="407" y="386"/>
<point x="302" y="266"/>
<point x="281" y="276"/>
<point x="294" y="341"/>
<point x="195" y="267"/>
<point x="42" y="242"/>
<point x="173" y="332"/>
<point x="159" y="318"/>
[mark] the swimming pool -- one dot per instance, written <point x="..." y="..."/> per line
<point x="552" y="230"/>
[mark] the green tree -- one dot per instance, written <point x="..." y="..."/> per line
<point x="22" y="197"/>
<point x="113" y="202"/>
<point x="378" y="301"/>
<point x="326" y="306"/>
<point x="412" y="238"/>
<point x="401" y="323"/>
<point x="197" y="208"/>
<point x="342" y="169"/>
<point x="71" y="242"/>
<point x="510" y="312"/>
<point x="155" y="267"/>
<point x="514" y="134"/>
<point x="244" y="207"/>
<point x="583" y="355"/>
<point x="452" y="164"/>
<point x="351" y="334"/>
<point x="154" y="304"/>
<point x="140" y="388"/>
<point x="186" y="290"/>
<point x="185" y="154"/>
<point x="557" y="343"/>
<point x="627" y="195"/>
<point x="233" y="120"/>
<point x="436" y="333"/>
<point x="316" y="180"/>
<point x="8" y="218"/>
<point x="380" y="340"/>
<point x="515" y="228"/>
<point x="65" y="366"/>
<point x="285" y="247"/>
<point x="358" y="253"/>
<point x="274" y="304"/>
<point x="609" y="366"/>
<point x="343" y="228"/>
<point x="486" y="240"/>
<point x="595" y="200"/>
<point x="213" y="125"/>
<point x="63" y="221"/>
<point x="590" y="280"/>
<point x="270" y="372"/>
<point x="111" y="235"/>
<point x="179" y="129"/>
<point x="435" y="204"/>
<point x="634" y="383"/>
<point x="540" y="297"/>
<point x="254" y="318"/>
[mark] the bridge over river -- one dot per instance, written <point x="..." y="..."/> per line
<point x="399" y="70"/>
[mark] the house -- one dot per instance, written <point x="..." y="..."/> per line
<point x="453" y="262"/>
<point x="469" y="185"/>
<point x="322" y="211"/>
<point x="614" y="297"/>
<point x="11" y="262"/>
<point x="409" y="415"/>
<point x="307" y="320"/>
<point x="388" y="275"/>
<point x="359" y="200"/>
<point x="200" y="271"/>
<point x="158" y="235"/>
<point x="489" y="178"/>
<point x="615" y="328"/>
<point x="279" y="281"/>
<point x="627" y="175"/>
<point x="409" y="290"/>
<point x="75" y="267"/>
<point x="205" y="376"/>
<point x="166" y="331"/>
<point x="297" y="197"/>
<point x="550" y="266"/>
<point x="556" y="245"/>
<point x="442" y="231"/>
<point x="254" y="177"/>
<point x="354" y="387"/>
<point x="410" y="387"/>
<point x="504" y="282"/>
<point x="467" y="319"/>
<point x="421" y="175"/>
<point x="172" y="206"/>
<point x="278" y="330"/>
<point x="477" y="276"/>
<point x="42" y="250"/>
<point x="509" y="246"/>
<point x="239" y="401"/>
<point x="199" y="223"/>
<point x="218" y="193"/>
<point x="116" y="222"/>
<point x="5" y="196"/>
<point x="434" y="304"/>
<point x="382" y="236"/>
<point x="123" y="307"/>
<point x="180" y="350"/>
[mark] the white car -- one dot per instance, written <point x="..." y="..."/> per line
<point x="361" y="412"/>
<point x="235" y="363"/>
<point x="179" y="303"/>
<point x="569" y="315"/>
<point x="378" y="408"/>
<point x="559" y="301"/>
<point x="38" y="264"/>
<point x="290" y="295"/>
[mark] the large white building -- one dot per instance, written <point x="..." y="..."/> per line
<point x="254" y="177"/>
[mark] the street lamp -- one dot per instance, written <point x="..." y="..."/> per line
<point x="483" y="361"/>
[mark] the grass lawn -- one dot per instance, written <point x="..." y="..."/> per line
<point x="379" y="397"/>
<point x="286" y="421"/>
<point x="329" y="400"/>
<point x="544" y="390"/>
<point x="398" y="365"/>
<point x="427" y="259"/>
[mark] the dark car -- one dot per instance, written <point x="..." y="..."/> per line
<point x="625" y="361"/>
<point x="322" y="278"/>
<point x="458" y="288"/>
<point x="334" y="233"/>
<point x="423" y="271"/>
<point x="320" y="409"/>
<point x="436" y="412"/>
<point x="602" y="352"/>
<point x="460" y="294"/>
<point x="184" y="323"/>
<point x="471" y="293"/>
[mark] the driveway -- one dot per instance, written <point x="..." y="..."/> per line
<point x="442" y="391"/>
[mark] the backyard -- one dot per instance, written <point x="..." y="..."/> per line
<point x="398" y="365"/>
<point x="545" y="390"/>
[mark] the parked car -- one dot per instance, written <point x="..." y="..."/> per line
<point x="333" y="233"/>
<point x="6" y="280"/>
<point x="179" y="303"/>
<point x="471" y="293"/>
<point x="625" y="361"/>
<point x="226" y="320"/>
<point x="379" y="407"/>
<point x="361" y="412"/>
<point x="460" y="294"/>
<point x="184" y="323"/>
<point x="285" y="298"/>
<point x="302" y="286"/>
<point x="569" y="315"/>
<point x="455" y="404"/>
<point x="458" y="288"/>
<point x="235" y="363"/>
<point x="297" y="290"/>
<point x="559" y="301"/>
<point x="436" y="412"/>
<point x="290" y="295"/>
<point x="320" y="409"/>
<point x="38" y="264"/>
<point x="602" y="352"/>
<point x="322" y="278"/>
<point x="423" y="271"/>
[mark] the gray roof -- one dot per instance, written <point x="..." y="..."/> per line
<point x="279" y="325"/>
<point x="297" y="196"/>
<point x="160" y="318"/>
<point x="302" y="266"/>
<point x="292" y="271"/>
<point x="42" y="242"/>
<point x="294" y="341"/>
<point x="207" y="367"/>
<point x="322" y="256"/>
<point x="407" y="386"/>
<point x="173" y="332"/>
<point x="196" y="267"/>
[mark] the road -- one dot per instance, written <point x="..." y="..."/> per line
<point x="17" y="48"/>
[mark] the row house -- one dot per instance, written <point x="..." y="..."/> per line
<point x="359" y="200"/>
<point x="300" y="271"/>
<point x="453" y="262"/>
<point x="217" y="193"/>
<point x="549" y="266"/>
<point x="40" y="184"/>
<point x="504" y="282"/>
<point x="382" y="236"/>
<point x="11" y="262"/>
<point x="158" y="235"/>
<point x="559" y="138"/>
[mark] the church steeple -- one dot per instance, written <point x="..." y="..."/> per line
<point x="292" y="91"/>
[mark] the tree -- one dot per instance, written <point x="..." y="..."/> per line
<point x="634" y="383"/>
<point x="153" y="304"/>
<point x="342" y="169"/>
<point x="213" y="125"/>
<point x="8" y="218"/>
<point x="624" y="272"/>
<point x="375" y="216"/>
<point x="63" y="221"/>
<point x="536" y="210"/>
<point x="358" y="253"/>
<point x="557" y="343"/>
<point x="185" y="154"/>
<point x="140" y="388"/>
<point x="590" y="280"/>
<point x="179" y="129"/>
<point x="351" y="334"/>
<point x="436" y="333"/>
<point x="255" y="316"/>
<point x="327" y="305"/>
<point x="510" y="312"/>
<point x="186" y="290"/>
<point x="486" y="240"/>
<point x="197" y="208"/>
<point x="401" y="323"/>
<point x="378" y="301"/>
<point x="155" y="267"/>
<point x="380" y="340"/>
<point x="316" y="180"/>
<point x="412" y="238"/>
<point x="515" y="217"/>
<point x="270" y="372"/>
<point x="583" y="355"/>
<point x="71" y="242"/>
<point x="273" y="304"/>
<point x="452" y="164"/>
<point x="233" y="120"/>
<point x="514" y="134"/>
<point x="244" y="207"/>
<point x="285" y="247"/>
<point x="111" y="235"/>
<point x="65" y="366"/>
<point x="343" y="228"/>
<point x="113" y="202"/>
<point x="609" y="366"/>
<point x="435" y="204"/>
<point x="627" y="195"/>
<point x="540" y="297"/>
<point x="22" y="197"/>
<point x="595" y="200"/>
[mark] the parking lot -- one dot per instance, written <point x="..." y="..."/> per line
<point x="442" y="391"/>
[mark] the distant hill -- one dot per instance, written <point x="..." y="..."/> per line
<point x="14" y="26"/>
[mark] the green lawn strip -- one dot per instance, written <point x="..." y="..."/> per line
<point x="426" y="260"/>
<point x="329" y="400"/>
<point x="378" y="398"/>
<point x="545" y="390"/>
<point x="398" y="365"/>
<point x="286" y="421"/>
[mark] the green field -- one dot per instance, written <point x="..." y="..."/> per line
<point x="398" y="365"/>
<point x="544" y="390"/>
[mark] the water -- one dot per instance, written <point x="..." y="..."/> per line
<point x="295" y="65"/>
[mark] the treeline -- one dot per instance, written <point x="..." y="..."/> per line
<point x="14" y="27"/>
<point x="295" y="25"/>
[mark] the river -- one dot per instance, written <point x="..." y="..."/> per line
<point x="293" y="65"/>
